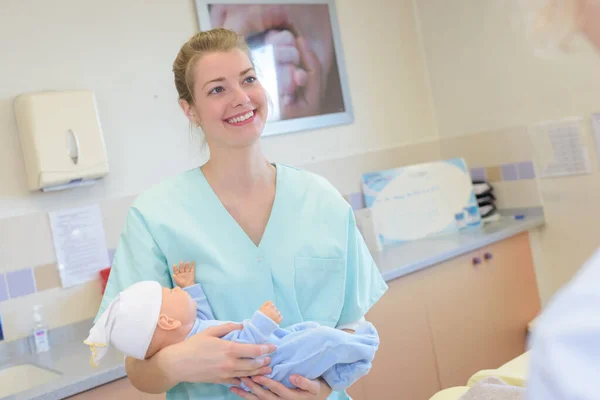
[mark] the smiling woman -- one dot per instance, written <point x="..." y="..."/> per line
<point x="256" y="230"/>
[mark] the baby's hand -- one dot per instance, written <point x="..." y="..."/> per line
<point x="184" y="274"/>
<point x="271" y="311"/>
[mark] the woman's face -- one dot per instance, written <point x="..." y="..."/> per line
<point x="230" y="103"/>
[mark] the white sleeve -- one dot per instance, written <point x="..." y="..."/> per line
<point x="565" y="345"/>
<point x="352" y="325"/>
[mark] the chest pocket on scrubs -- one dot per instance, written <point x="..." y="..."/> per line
<point x="319" y="284"/>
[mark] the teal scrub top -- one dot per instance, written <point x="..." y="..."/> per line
<point x="312" y="261"/>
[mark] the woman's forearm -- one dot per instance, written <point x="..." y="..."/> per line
<point x="150" y="376"/>
<point x="203" y="357"/>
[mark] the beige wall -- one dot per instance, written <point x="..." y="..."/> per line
<point x="488" y="84"/>
<point x="123" y="52"/>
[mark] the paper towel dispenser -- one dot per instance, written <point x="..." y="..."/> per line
<point x="61" y="139"/>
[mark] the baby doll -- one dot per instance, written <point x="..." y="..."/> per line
<point x="146" y="317"/>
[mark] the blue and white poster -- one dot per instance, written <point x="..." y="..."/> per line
<point x="417" y="201"/>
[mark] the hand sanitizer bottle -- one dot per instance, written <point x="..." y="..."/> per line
<point x="40" y="332"/>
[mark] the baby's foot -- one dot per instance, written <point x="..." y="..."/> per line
<point x="183" y="275"/>
<point x="271" y="311"/>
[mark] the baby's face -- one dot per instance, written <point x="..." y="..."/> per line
<point x="178" y="304"/>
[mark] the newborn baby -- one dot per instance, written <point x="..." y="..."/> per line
<point x="146" y="317"/>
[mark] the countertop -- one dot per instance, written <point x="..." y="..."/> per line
<point x="71" y="360"/>
<point x="395" y="262"/>
<point x="70" y="357"/>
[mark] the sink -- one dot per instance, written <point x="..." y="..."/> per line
<point x="18" y="378"/>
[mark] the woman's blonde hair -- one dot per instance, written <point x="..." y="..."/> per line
<point x="214" y="40"/>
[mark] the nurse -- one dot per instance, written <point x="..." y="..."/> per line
<point x="565" y="345"/>
<point x="257" y="230"/>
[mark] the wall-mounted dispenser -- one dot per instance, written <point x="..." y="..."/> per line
<point x="61" y="139"/>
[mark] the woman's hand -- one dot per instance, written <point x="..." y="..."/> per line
<point x="307" y="389"/>
<point x="307" y="100"/>
<point x="290" y="75"/>
<point x="206" y="358"/>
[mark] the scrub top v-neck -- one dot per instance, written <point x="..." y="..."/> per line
<point x="236" y="229"/>
<point x="311" y="261"/>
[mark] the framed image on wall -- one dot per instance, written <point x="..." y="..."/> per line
<point x="297" y="50"/>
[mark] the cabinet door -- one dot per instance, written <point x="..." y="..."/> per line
<point x="120" y="389"/>
<point x="357" y="391"/>
<point x="515" y="301"/>
<point x="479" y="310"/>
<point x="404" y="367"/>
<point x="456" y="292"/>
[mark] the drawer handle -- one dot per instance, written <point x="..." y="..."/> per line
<point x="488" y="256"/>
<point x="476" y="260"/>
